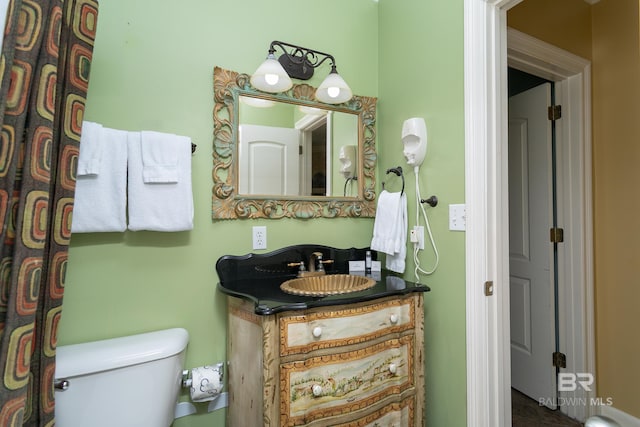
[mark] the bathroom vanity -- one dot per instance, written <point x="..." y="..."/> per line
<point x="348" y="359"/>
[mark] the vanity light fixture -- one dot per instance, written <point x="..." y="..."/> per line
<point x="334" y="90"/>
<point x="299" y="62"/>
<point x="270" y="76"/>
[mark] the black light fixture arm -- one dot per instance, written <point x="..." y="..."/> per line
<point x="300" y="62"/>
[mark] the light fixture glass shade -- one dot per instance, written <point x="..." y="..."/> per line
<point x="304" y="109"/>
<point x="271" y="77"/>
<point x="257" y="102"/>
<point x="334" y="90"/>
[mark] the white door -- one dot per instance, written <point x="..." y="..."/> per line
<point x="532" y="309"/>
<point x="268" y="160"/>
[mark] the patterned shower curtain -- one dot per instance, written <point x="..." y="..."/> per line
<point x="44" y="67"/>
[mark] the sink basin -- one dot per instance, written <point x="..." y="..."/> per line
<point x="330" y="284"/>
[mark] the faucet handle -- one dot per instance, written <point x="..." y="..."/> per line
<point x="320" y="263"/>
<point x="296" y="264"/>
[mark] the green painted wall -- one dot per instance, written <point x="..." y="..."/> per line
<point x="421" y="75"/>
<point x="152" y="70"/>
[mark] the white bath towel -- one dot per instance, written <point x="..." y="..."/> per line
<point x="160" y="152"/>
<point x="160" y="206"/>
<point x="101" y="199"/>
<point x="390" y="229"/>
<point x="90" y="149"/>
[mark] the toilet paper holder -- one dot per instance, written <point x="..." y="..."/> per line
<point x="187" y="380"/>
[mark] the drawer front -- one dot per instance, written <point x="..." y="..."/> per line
<point x="397" y="414"/>
<point x="333" y="328"/>
<point x="341" y="383"/>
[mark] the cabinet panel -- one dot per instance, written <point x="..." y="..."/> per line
<point x="340" y="383"/>
<point x="244" y="368"/>
<point x="320" y="329"/>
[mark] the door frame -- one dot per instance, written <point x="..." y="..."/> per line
<point x="487" y="52"/>
<point x="306" y="125"/>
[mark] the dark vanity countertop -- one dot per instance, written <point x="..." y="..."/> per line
<point x="257" y="278"/>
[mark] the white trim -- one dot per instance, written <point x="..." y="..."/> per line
<point x="310" y="122"/>
<point x="542" y="59"/>
<point x="485" y="55"/>
<point x="624" y="419"/>
<point x="488" y="358"/>
<point x="329" y="152"/>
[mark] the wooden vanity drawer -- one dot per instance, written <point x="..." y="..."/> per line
<point x="341" y="383"/>
<point x="396" y="414"/>
<point x="325" y="328"/>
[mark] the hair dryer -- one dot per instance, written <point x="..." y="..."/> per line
<point x="414" y="139"/>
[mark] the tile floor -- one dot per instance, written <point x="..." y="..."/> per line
<point x="526" y="412"/>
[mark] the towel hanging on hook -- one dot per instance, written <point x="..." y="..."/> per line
<point x="397" y="171"/>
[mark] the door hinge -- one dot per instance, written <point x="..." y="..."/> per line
<point x="559" y="360"/>
<point x="556" y="235"/>
<point x="488" y="288"/>
<point x="555" y="112"/>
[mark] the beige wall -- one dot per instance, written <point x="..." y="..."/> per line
<point x="616" y="155"/>
<point x="567" y="27"/>
<point x="607" y="33"/>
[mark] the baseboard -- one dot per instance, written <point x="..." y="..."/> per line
<point x="184" y="409"/>
<point x="222" y="401"/>
<point x="624" y="419"/>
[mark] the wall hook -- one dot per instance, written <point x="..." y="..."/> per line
<point x="431" y="201"/>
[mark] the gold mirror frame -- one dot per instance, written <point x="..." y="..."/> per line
<point x="228" y="204"/>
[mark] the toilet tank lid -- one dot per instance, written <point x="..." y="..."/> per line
<point x="92" y="357"/>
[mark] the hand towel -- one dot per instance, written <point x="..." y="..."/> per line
<point x="390" y="229"/>
<point x="101" y="199"/>
<point x="160" y="206"/>
<point x="160" y="152"/>
<point x="90" y="149"/>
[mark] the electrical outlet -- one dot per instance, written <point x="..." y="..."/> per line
<point x="417" y="235"/>
<point x="457" y="217"/>
<point x="260" y="237"/>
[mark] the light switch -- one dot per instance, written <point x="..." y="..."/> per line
<point x="457" y="217"/>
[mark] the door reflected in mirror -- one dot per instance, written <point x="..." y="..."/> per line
<point x="294" y="150"/>
<point x="286" y="155"/>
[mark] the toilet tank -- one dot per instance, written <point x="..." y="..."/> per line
<point x="130" y="381"/>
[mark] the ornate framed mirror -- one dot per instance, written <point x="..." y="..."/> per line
<point x="288" y="155"/>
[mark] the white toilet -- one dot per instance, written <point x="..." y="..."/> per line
<point x="131" y="381"/>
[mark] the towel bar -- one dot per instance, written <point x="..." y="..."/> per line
<point x="397" y="171"/>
